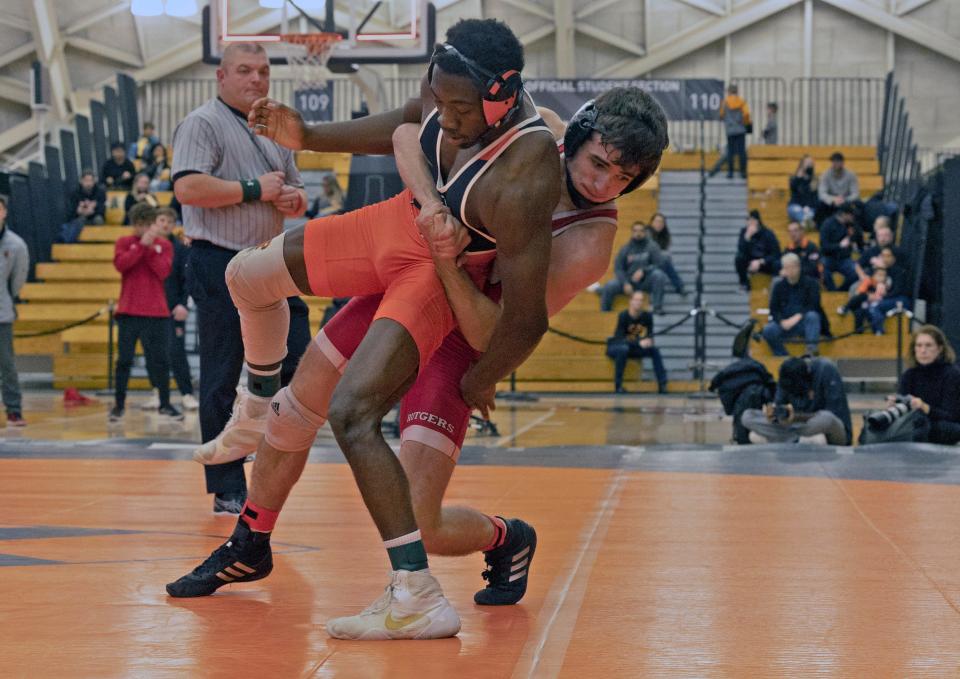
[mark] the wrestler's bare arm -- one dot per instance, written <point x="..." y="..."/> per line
<point x="370" y="134"/>
<point x="412" y="166"/>
<point x="579" y="256"/>
<point x="517" y="210"/>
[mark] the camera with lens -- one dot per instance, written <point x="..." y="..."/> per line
<point x="881" y="420"/>
<point x="781" y="413"/>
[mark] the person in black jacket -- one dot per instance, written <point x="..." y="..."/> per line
<point x="139" y="193"/>
<point x="933" y="385"/>
<point x="808" y="252"/>
<point x="803" y="193"/>
<point x="840" y="236"/>
<point x="810" y="406"/>
<point x="89" y="202"/>
<point x="633" y="338"/>
<point x="117" y="173"/>
<point x="794" y="309"/>
<point x="176" y="288"/>
<point x="758" y="250"/>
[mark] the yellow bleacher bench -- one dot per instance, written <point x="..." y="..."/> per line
<point x="104" y="234"/>
<point x="64" y="313"/>
<point x="780" y="182"/>
<point x="69" y="292"/>
<point x="72" y="271"/>
<point x="688" y="160"/>
<point x="788" y="166"/>
<point x="83" y="252"/>
<point x="818" y="152"/>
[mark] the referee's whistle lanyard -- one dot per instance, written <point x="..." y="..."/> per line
<point x="250" y="135"/>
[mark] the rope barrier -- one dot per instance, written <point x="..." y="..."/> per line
<point x="789" y="340"/>
<point x="584" y="340"/>
<point x="693" y="312"/>
<point x="43" y="333"/>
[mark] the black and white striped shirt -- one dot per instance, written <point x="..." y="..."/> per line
<point x="214" y="139"/>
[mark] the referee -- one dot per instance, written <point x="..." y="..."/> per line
<point x="236" y="188"/>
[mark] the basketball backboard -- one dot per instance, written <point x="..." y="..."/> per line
<point x="374" y="31"/>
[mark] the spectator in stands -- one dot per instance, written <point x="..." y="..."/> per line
<point x="637" y="267"/>
<point x="175" y="287"/>
<point x="143" y="260"/>
<point x="794" y="309"/>
<point x="869" y="292"/>
<point x="143" y="148"/>
<point x="89" y="202"/>
<point x="735" y="114"/>
<point x="771" y="131"/>
<point x="140" y="193"/>
<point x="330" y="200"/>
<point x="810" y="406"/>
<point x="808" y="252"/>
<point x="118" y="171"/>
<point x="660" y="233"/>
<point x="633" y="338"/>
<point x="758" y="250"/>
<point x="803" y="193"/>
<point x="837" y="187"/>
<point x="882" y="238"/>
<point x="13" y="270"/>
<point x="898" y="291"/>
<point x="159" y="170"/>
<point x="840" y="236"/>
<point x="933" y="384"/>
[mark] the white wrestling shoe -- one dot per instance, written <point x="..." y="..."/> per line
<point x="411" y="607"/>
<point x="242" y="434"/>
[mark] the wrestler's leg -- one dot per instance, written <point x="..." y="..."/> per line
<point x="446" y="531"/>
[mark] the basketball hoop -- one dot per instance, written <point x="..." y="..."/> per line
<point x="308" y="54"/>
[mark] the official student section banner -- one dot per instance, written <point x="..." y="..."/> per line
<point x="682" y="99"/>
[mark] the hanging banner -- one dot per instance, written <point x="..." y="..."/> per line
<point x="315" y="104"/>
<point x="682" y="99"/>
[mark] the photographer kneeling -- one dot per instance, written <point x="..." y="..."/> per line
<point x="810" y="406"/>
<point x="933" y="386"/>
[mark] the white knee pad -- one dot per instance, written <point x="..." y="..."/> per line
<point x="259" y="284"/>
<point x="291" y="426"/>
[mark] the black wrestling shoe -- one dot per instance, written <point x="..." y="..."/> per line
<point x="508" y="566"/>
<point x="245" y="557"/>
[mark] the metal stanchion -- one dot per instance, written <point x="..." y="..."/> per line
<point x="699" y="311"/>
<point x="514" y="395"/>
<point x="900" y="311"/>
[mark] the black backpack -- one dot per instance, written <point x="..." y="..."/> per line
<point x="742" y="385"/>
<point x="732" y="380"/>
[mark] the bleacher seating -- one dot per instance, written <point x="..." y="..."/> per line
<point x="81" y="279"/>
<point x="770" y="168"/>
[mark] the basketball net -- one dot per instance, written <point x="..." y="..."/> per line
<point x="308" y="54"/>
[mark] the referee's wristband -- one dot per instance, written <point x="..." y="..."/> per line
<point x="251" y="189"/>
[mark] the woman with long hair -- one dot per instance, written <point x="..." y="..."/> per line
<point x="660" y="233"/>
<point x="933" y="385"/>
<point x="803" y="193"/>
